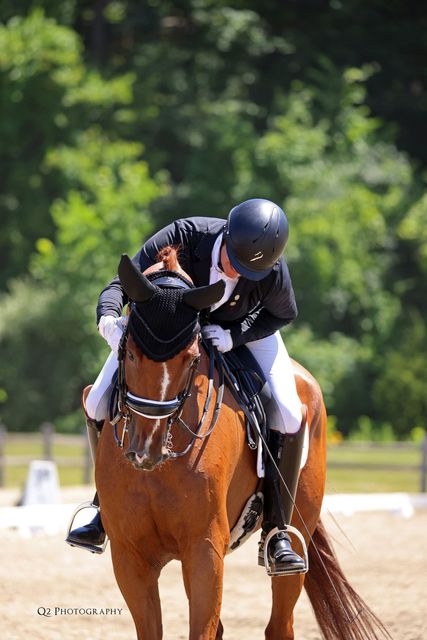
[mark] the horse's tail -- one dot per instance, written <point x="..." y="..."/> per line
<point x="340" y="611"/>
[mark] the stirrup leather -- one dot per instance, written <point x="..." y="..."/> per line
<point x="93" y="548"/>
<point x="269" y="566"/>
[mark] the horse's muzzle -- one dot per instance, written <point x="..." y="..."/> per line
<point x="146" y="462"/>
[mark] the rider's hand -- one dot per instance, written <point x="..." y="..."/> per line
<point x="221" y="338"/>
<point x="111" y="329"/>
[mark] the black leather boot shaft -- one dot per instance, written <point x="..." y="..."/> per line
<point x="272" y="498"/>
<point x="289" y="467"/>
<point x="279" y="498"/>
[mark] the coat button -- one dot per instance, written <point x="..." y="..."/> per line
<point x="232" y="304"/>
<point x="237" y="296"/>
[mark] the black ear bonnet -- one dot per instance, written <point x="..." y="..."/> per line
<point x="164" y="325"/>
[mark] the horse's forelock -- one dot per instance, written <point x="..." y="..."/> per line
<point x="169" y="257"/>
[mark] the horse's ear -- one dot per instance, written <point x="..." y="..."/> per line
<point x="137" y="287"/>
<point x="204" y="297"/>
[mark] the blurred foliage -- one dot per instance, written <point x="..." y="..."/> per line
<point x="48" y="96"/>
<point x="98" y="210"/>
<point x="49" y="319"/>
<point x="120" y="116"/>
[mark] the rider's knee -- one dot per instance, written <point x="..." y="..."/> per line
<point x="291" y="418"/>
<point x="95" y="407"/>
<point x="90" y="406"/>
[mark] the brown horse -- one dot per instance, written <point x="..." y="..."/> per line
<point x="156" y="508"/>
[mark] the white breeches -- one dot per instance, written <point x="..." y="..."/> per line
<point x="272" y="357"/>
<point x="98" y="399"/>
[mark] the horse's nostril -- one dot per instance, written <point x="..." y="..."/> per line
<point x="139" y="461"/>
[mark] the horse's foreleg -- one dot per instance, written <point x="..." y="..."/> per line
<point x="138" y="582"/>
<point x="203" y="569"/>
<point x="286" y="591"/>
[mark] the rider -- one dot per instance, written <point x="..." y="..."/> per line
<point x="246" y="253"/>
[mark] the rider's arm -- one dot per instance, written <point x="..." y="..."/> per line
<point x="171" y="235"/>
<point x="276" y="308"/>
<point x="184" y="233"/>
<point x="113" y="298"/>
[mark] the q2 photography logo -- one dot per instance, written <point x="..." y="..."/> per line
<point x="50" y="612"/>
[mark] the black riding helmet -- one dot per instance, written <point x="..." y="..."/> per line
<point x="255" y="235"/>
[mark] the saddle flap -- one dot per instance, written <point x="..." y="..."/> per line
<point x="250" y="389"/>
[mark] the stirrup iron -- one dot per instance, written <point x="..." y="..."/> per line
<point x="269" y="567"/>
<point x="93" y="548"/>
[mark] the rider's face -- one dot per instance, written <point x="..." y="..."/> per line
<point x="226" y="264"/>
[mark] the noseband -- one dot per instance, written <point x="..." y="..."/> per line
<point x="152" y="409"/>
<point x="129" y="403"/>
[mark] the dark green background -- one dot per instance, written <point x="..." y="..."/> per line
<point x="117" y="117"/>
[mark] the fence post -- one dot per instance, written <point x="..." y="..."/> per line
<point x="3" y="432"/>
<point x="47" y="430"/>
<point x="424" y="465"/>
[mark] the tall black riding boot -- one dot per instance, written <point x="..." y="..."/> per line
<point x="92" y="535"/>
<point x="286" y="450"/>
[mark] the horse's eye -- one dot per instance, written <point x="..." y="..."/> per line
<point x="131" y="356"/>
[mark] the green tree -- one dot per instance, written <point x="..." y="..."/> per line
<point x="345" y="192"/>
<point x="48" y="96"/>
<point x="226" y="100"/>
<point x="73" y="233"/>
<point x="48" y="332"/>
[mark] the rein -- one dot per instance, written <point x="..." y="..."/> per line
<point x="172" y="410"/>
<point x="214" y="355"/>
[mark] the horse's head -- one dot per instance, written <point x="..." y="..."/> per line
<point x="159" y="353"/>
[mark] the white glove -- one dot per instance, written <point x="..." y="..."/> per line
<point x="111" y="329"/>
<point x="221" y="338"/>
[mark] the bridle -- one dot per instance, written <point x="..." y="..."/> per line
<point x="172" y="410"/>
